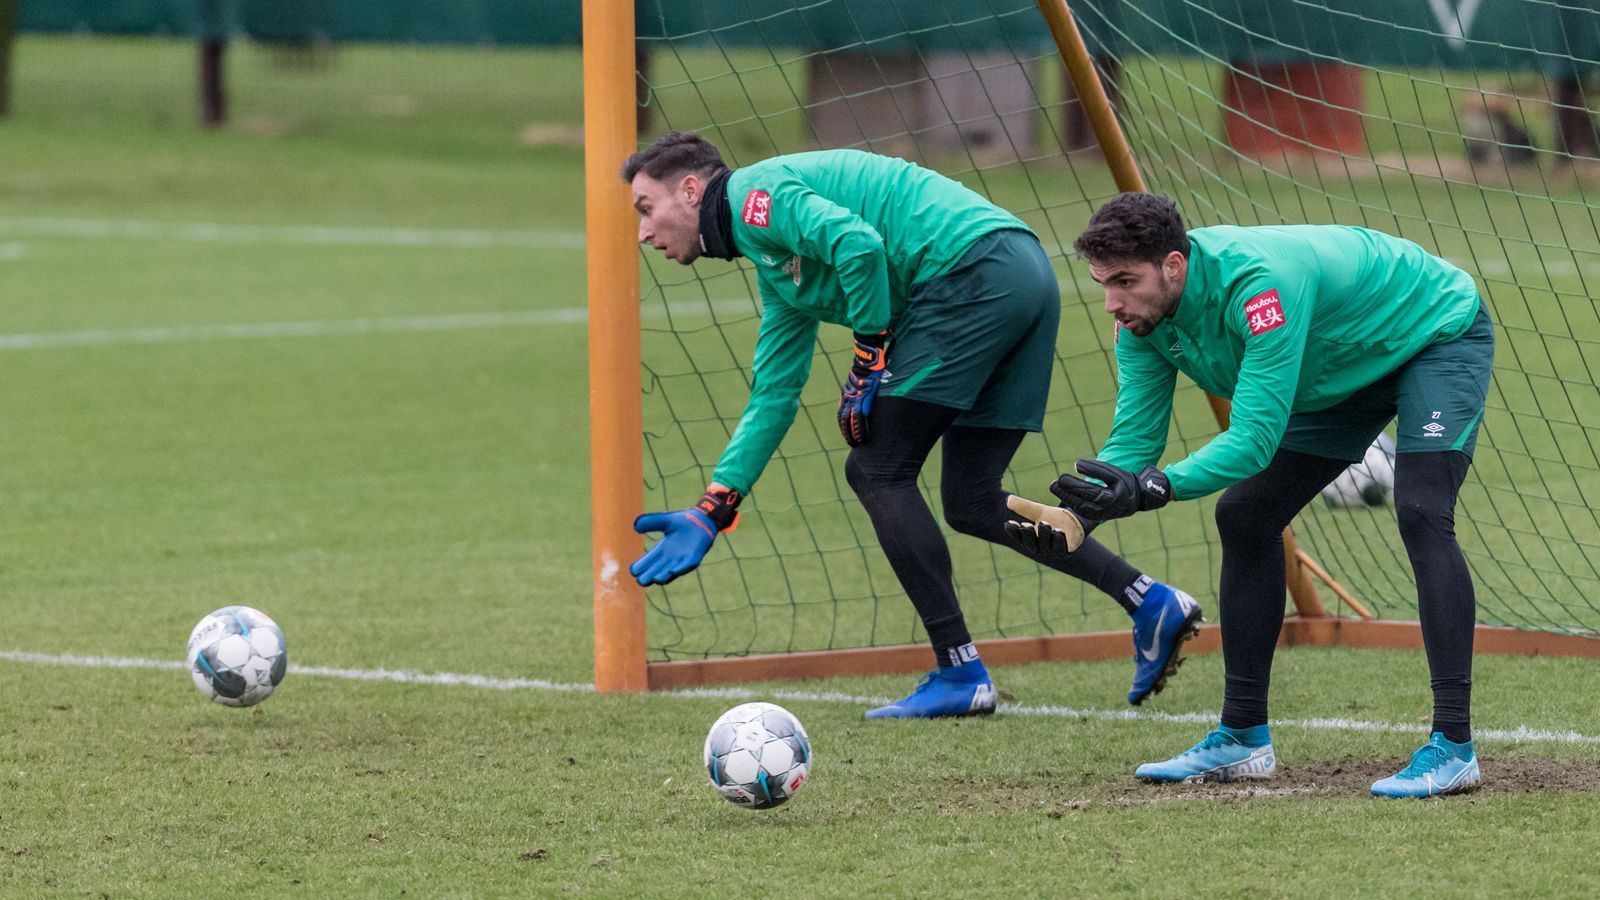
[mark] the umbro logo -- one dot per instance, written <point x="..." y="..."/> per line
<point x="1432" y="429"/>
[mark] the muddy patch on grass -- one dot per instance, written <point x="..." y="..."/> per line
<point x="1353" y="777"/>
<point x="1059" y="795"/>
<point x="1501" y="775"/>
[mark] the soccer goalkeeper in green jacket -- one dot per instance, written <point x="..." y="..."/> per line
<point x="1321" y="335"/>
<point x="954" y="308"/>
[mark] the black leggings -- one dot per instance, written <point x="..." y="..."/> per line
<point x="1251" y="517"/>
<point x="883" y="472"/>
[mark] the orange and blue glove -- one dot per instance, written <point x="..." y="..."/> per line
<point x="855" y="401"/>
<point x="687" y="535"/>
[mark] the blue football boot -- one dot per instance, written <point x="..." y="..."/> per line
<point x="1227" y="754"/>
<point x="964" y="690"/>
<point x="1440" y="767"/>
<point x="1161" y="624"/>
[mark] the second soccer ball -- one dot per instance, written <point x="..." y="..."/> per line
<point x="758" y="755"/>
<point x="1366" y="483"/>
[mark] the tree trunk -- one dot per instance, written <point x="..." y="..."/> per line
<point x="213" y="96"/>
<point x="8" y="34"/>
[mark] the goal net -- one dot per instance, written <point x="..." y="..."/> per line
<point x="1464" y="127"/>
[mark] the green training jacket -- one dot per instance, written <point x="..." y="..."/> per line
<point x="836" y="236"/>
<point x="1279" y="319"/>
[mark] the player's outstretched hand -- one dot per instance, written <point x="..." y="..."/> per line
<point x="1122" y="493"/>
<point x="1045" y="531"/>
<point x="855" y="401"/>
<point x="687" y="535"/>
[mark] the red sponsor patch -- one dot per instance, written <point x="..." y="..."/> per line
<point x="1264" y="312"/>
<point x="758" y="209"/>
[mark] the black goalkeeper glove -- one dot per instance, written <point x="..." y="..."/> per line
<point x="1122" y="495"/>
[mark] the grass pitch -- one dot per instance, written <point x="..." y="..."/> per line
<point x="410" y="494"/>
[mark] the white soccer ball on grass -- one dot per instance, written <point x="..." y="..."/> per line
<point x="1366" y="483"/>
<point x="758" y="755"/>
<point x="237" y="656"/>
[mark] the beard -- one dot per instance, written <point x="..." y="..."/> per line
<point x="1142" y="327"/>
<point x="1164" y="305"/>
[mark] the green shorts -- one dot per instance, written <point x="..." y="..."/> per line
<point x="1437" y="397"/>
<point x="981" y="338"/>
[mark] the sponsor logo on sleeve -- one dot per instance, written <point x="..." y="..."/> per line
<point x="758" y="209"/>
<point x="1264" y="312"/>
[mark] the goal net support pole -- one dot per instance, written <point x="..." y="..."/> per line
<point x="616" y="425"/>
<point x="1125" y="171"/>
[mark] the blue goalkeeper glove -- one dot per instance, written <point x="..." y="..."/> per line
<point x="687" y="534"/>
<point x="855" y="401"/>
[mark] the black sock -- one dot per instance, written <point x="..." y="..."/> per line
<point x="975" y="459"/>
<point x="1133" y="593"/>
<point x="959" y="656"/>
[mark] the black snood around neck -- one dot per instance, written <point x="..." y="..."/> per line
<point x="716" y="219"/>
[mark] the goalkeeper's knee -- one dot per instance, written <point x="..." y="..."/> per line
<point x="1425" y="488"/>
<point x="869" y="471"/>
<point x="1243" y="519"/>
<point x="978" y="514"/>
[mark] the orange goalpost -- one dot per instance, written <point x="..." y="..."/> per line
<point x="615" y="423"/>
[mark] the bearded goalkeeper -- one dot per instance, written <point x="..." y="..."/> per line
<point x="953" y="306"/>
<point x="1321" y="335"/>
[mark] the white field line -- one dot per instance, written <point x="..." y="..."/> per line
<point x="310" y="328"/>
<point x="168" y="334"/>
<point x="472" y="238"/>
<point x="313" y="235"/>
<point x="399" y="676"/>
<point x="1520" y="734"/>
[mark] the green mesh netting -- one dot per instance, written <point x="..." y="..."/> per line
<point x="1466" y="130"/>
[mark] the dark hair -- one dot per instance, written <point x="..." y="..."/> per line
<point x="675" y="153"/>
<point x="1133" y="227"/>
